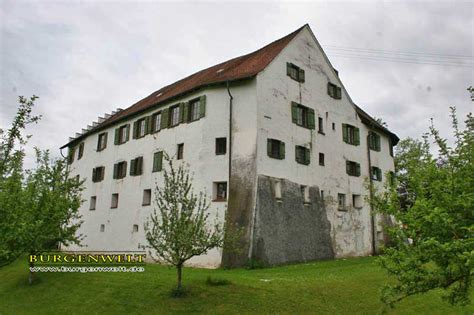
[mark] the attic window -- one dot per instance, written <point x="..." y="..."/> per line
<point x="294" y="72"/>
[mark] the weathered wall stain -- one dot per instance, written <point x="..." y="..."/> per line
<point x="288" y="230"/>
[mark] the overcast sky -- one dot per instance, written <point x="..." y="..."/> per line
<point x="85" y="58"/>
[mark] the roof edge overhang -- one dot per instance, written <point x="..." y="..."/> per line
<point x="372" y="123"/>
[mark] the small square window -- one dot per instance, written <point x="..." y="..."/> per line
<point x="357" y="201"/>
<point x="321" y="159"/>
<point x="102" y="227"/>
<point x="146" y="197"/>
<point x="220" y="191"/>
<point x="180" y="151"/>
<point x="115" y="200"/>
<point x="92" y="203"/>
<point x="321" y="125"/>
<point x="135" y="228"/>
<point x="221" y="146"/>
<point x="341" y="201"/>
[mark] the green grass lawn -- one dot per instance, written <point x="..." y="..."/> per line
<point x="330" y="287"/>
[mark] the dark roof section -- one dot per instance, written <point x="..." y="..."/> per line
<point x="369" y="120"/>
<point x="239" y="68"/>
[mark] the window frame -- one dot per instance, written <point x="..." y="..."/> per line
<point x="180" y="151"/>
<point x="278" y="153"/>
<point x="334" y="91"/>
<point x="221" y="146"/>
<point x="294" y="72"/>
<point x="194" y="108"/>
<point x="352" y="168"/>
<point x="114" y="201"/>
<point x="146" y="201"/>
<point x="321" y="157"/>
<point x="302" y="155"/>
<point x="374" y="141"/>
<point x="173" y="109"/>
<point x="153" y="121"/>
<point x="92" y="205"/>
<point x="376" y="173"/>
<point x="98" y="174"/>
<point x="217" y="196"/>
<point x="341" y="206"/>
<point x="102" y="141"/>
<point x="80" y="151"/>
<point x="121" y="170"/>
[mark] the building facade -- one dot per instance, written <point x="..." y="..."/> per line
<point x="273" y="137"/>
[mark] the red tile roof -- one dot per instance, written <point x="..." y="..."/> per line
<point x="239" y="68"/>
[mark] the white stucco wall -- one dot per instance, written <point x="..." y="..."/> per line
<point x="351" y="230"/>
<point x="199" y="153"/>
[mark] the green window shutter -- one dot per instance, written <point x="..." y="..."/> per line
<point x="147" y="125"/>
<point x="106" y="135"/>
<point x="307" y="156"/>
<point x="379" y="174"/>
<point x="377" y="143"/>
<point x="94" y="175"/>
<point x="357" y="169"/>
<point x="165" y="116"/>
<point x="157" y="161"/>
<point x="139" y="166"/>
<point x="282" y="150"/>
<point x="311" y="122"/>
<point x="348" y="167"/>
<point x="135" y="130"/>
<point x="338" y="93"/>
<point x="181" y="113"/>
<point x="356" y="136"/>
<point x="269" y="147"/>
<point x="127" y="133"/>
<point x="186" y="107"/>
<point x="202" y="103"/>
<point x="288" y="68"/>
<point x="330" y="90"/>
<point x="297" y="157"/>
<point x="117" y="136"/>
<point x="294" y="112"/>
<point x="133" y="164"/>
<point x="345" y="133"/>
<point x="301" y="75"/>
<point x="102" y="174"/>
<point x="115" y="171"/>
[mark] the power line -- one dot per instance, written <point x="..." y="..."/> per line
<point x="402" y="60"/>
<point x="397" y="52"/>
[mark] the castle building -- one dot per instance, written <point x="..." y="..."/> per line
<point x="272" y="136"/>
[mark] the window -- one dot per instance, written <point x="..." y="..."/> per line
<point x="341" y="201"/>
<point x="120" y="170"/>
<point x="321" y="159"/>
<point x="92" y="203"/>
<point x="295" y="72"/>
<point x="390" y="147"/>
<point x="305" y="194"/>
<point x="122" y="134"/>
<point x="140" y="128"/>
<point x="302" y="115"/>
<point x="180" y="151"/>
<point x="157" y="161"/>
<point x="102" y="141"/>
<point x="194" y="109"/>
<point x="175" y="115"/>
<point x="221" y="146"/>
<point x="220" y="191"/>
<point x="376" y="173"/>
<point x="333" y="126"/>
<point x="277" y="188"/>
<point x="357" y="201"/>
<point x="156" y="122"/>
<point x="98" y="174"/>
<point x="334" y="91"/>
<point x="276" y="149"/>
<point x="70" y="155"/>
<point x="374" y="141"/>
<point x="136" y="166"/>
<point x="350" y="134"/>
<point x="102" y="227"/>
<point x="80" y="152"/>
<point x="135" y="228"/>
<point x="115" y="199"/>
<point x="302" y="155"/>
<point x="146" y="197"/>
<point x="320" y="125"/>
<point x="352" y="168"/>
<point x="391" y="178"/>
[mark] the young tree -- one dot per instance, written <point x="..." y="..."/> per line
<point x="179" y="228"/>
<point x="38" y="207"/>
<point x="432" y="202"/>
<point x="51" y="199"/>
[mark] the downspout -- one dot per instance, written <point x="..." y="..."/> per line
<point x="371" y="185"/>
<point x="230" y="138"/>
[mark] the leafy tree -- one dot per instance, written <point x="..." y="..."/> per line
<point x="38" y="207"/>
<point x="432" y="202"/>
<point x="179" y="228"/>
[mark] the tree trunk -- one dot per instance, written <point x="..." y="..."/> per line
<point x="31" y="276"/>
<point x="179" y="269"/>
